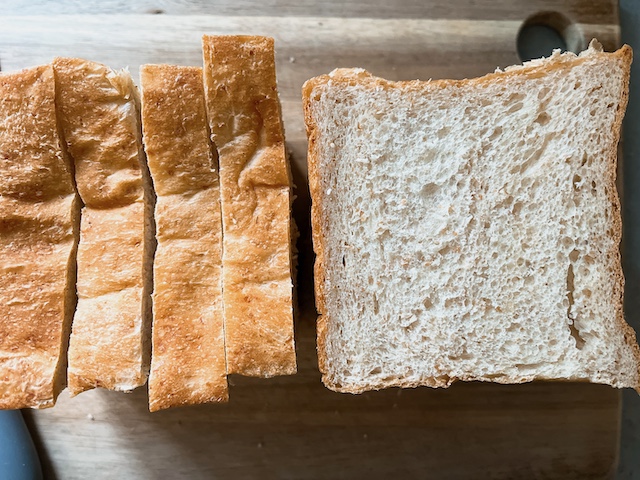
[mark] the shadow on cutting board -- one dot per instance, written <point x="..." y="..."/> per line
<point x="292" y="427"/>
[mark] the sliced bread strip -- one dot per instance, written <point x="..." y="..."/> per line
<point x="39" y="223"/>
<point x="188" y="357"/>
<point x="110" y="338"/>
<point x="246" y="126"/>
<point x="469" y="230"/>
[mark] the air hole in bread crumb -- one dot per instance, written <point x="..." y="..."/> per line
<point x="496" y="133"/>
<point x="567" y="241"/>
<point x="542" y="118"/>
<point x="514" y="108"/>
<point x="429" y="190"/>
<point x="517" y="208"/>
<point x="573" y="330"/>
<point x="514" y="98"/>
<point x="544" y="91"/>
<point x="585" y="158"/>
<point x="576" y="181"/>
<point x="573" y="256"/>
<point x="443" y="132"/>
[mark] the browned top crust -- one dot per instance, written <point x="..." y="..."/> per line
<point x="99" y="117"/>
<point x="97" y="110"/>
<point x="38" y="213"/>
<point x="188" y="359"/>
<point x="244" y="117"/>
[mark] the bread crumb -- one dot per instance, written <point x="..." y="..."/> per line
<point x="292" y="59"/>
<point x="90" y="417"/>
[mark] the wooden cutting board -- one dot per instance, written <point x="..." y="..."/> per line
<point x="292" y="427"/>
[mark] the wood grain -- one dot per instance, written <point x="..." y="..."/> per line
<point x="584" y="11"/>
<point x="292" y="427"/>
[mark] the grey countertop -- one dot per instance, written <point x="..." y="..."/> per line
<point x="629" y="466"/>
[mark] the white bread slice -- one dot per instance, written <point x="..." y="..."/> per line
<point x="39" y="223"/>
<point x="110" y="338"/>
<point x="469" y="230"/>
<point x="188" y="357"/>
<point x="246" y="126"/>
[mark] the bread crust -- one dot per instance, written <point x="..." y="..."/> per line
<point x="188" y="356"/>
<point x="533" y="69"/>
<point x="245" y="121"/>
<point x="98" y="113"/>
<point x="38" y="239"/>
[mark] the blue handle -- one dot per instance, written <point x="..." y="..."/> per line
<point x="18" y="457"/>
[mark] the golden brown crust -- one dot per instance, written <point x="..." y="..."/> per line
<point x="625" y="56"/>
<point x="351" y="77"/>
<point x="188" y="359"/>
<point x="98" y="114"/>
<point x="38" y="217"/>
<point x="96" y="108"/>
<point x="245" y="121"/>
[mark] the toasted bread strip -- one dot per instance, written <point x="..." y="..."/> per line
<point x="39" y="221"/>
<point x="110" y="339"/>
<point x="245" y="120"/>
<point x="188" y="357"/>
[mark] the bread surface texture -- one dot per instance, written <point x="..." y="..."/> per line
<point x="469" y="230"/>
<point x="245" y="121"/>
<point x="38" y="239"/>
<point x="188" y="356"/>
<point x="99" y="115"/>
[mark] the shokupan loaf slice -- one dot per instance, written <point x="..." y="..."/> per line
<point x="39" y="216"/>
<point x="469" y="230"/>
<point x="110" y="338"/>
<point x="245" y="121"/>
<point x="188" y="357"/>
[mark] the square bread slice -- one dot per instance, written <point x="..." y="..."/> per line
<point x="188" y="357"/>
<point x="469" y="230"/>
<point x="246" y="126"/>
<point x="39" y="222"/>
<point x="110" y="337"/>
